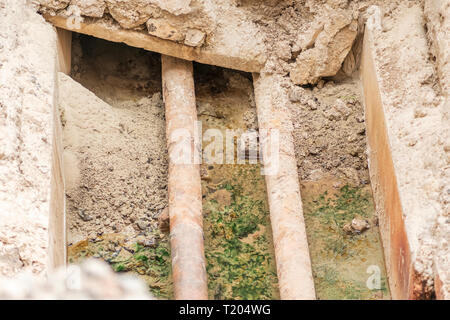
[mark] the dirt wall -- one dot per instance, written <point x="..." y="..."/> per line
<point x="28" y="64"/>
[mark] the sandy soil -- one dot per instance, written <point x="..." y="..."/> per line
<point x="114" y="149"/>
<point x="329" y="131"/>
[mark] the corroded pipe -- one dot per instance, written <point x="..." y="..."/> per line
<point x="185" y="195"/>
<point x="286" y="213"/>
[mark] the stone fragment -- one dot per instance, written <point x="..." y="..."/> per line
<point x="84" y="216"/>
<point x="360" y="225"/>
<point x="161" y="29"/>
<point x="54" y="4"/>
<point x="194" y="38"/>
<point x="131" y="14"/>
<point x="142" y="224"/>
<point x="323" y="54"/>
<point x="357" y="226"/>
<point x="148" y="242"/>
<point x="90" y="8"/>
<point x="296" y="94"/>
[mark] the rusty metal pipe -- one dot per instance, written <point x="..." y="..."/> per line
<point x="286" y="213"/>
<point x="185" y="195"/>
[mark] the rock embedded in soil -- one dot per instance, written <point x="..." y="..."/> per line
<point x="357" y="226"/>
<point x="55" y="4"/>
<point x="90" y="8"/>
<point x="84" y="216"/>
<point x="142" y="224"/>
<point x="324" y="52"/>
<point x="194" y="38"/>
<point x="130" y="14"/>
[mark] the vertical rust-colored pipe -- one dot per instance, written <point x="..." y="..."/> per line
<point x="185" y="195"/>
<point x="293" y="262"/>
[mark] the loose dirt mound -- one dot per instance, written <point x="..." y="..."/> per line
<point x="115" y="154"/>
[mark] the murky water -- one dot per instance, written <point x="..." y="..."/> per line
<point x="346" y="263"/>
<point x="128" y="255"/>
<point x="238" y="238"/>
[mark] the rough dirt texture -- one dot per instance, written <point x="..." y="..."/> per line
<point x="437" y="15"/>
<point x="308" y="42"/>
<point x="330" y="132"/>
<point x="91" y="280"/>
<point x="217" y="27"/>
<point x="414" y="114"/>
<point x="114" y="149"/>
<point x="27" y="94"/>
<point x="308" y="39"/>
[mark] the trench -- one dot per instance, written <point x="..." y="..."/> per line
<point x="119" y="189"/>
<point x="116" y="167"/>
<point x="238" y="236"/>
<point x="347" y="262"/>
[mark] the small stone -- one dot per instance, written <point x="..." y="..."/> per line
<point x="142" y="224"/>
<point x="84" y="216"/>
<point x="357" y="226"/>
<point x="360" y="225"/>
<point x="320" y="84"/>
<point x="194" y="38"/>
<point x="348" y="228"/>
<point x="341" y="107"/>
<point x="311" y="104"/>
<point x="146" y="242"/>
<point x="296" y="94"/>
<point x="332" y="114"/>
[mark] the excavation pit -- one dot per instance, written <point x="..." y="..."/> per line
<point x="116" y="171"/>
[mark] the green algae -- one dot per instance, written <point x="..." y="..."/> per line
<point x="151" y="264"/>
<point x="343" y="263"/>
<point x="239" y="254"/>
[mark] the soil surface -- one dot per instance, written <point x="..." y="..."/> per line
<point x="329" y="131"/>
<point x="115" y="148"/>
<point x="115" y="160"/>
<point x="330" y="145"/>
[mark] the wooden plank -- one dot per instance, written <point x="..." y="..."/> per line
<point x="384" y="181"/>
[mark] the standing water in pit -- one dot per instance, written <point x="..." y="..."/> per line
<point x="341" y="222"/>
<point x="238" y="237"/>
